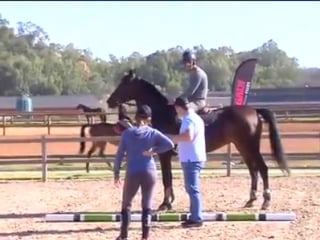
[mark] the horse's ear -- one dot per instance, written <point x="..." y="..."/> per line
<point x="132" y="73"/>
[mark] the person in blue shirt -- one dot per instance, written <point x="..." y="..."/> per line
<point x="192" y="155"/>
<point x="140" y="143"/>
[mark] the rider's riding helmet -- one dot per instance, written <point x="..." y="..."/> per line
<point x="188" y="57"/>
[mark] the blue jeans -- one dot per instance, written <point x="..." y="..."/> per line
<point x="191" y="173"/>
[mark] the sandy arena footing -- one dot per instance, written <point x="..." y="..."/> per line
<point x="23" y="205"/>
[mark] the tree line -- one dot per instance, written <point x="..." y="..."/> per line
<point x="31" y="64"/>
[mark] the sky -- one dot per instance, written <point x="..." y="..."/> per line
<point x="121" y="28"/>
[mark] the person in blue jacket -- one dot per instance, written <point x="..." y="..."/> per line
<point x="140" y="143"/>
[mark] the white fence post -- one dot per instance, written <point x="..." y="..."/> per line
<point x="44" y="158"/>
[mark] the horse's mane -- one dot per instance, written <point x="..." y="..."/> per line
<point x="159" y="98"/>
<point x="150" y="88"/>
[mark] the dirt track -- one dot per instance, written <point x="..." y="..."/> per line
<point x="220" y="194"/>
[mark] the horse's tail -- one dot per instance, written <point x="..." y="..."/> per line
<point x="274" y="136"/>
<point x="83" y="134"/>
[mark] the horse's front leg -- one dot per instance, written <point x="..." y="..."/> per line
<point x="254" y="185"/>
<point x="166" y="170"/>
<point x="102" y="146"/>
<point x="90" y="152"/>
<point x="263" y="169"/>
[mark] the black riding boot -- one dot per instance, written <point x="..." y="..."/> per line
<point x="125" y="222"/>
<point x="146" y="223"/>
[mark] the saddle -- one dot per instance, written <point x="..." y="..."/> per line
<point x="205" y="110"/>
<point x="208" y="114"/>
<point x="121" y="126"/>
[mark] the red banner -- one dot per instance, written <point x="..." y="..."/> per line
<point x="242" y="82"/>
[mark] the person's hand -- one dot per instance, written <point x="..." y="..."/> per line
<point x="148" y="153"/>
<point x="117" y="182"/>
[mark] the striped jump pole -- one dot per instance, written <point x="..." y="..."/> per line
<point x="170" y="217"/>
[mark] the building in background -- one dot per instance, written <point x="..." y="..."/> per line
<point x="52" y="103"/>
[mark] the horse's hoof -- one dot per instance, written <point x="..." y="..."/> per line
<point x="164" y="207"/>
<point x="109" y="165"/>
<point x="249" y="204"/>
<point x="284" y="173"/>
<point x="288" y="173"/>
<point x="154" y="211"/>
<point x="265" y="205"/>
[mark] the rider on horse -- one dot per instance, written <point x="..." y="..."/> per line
<point x="197" y="91"/>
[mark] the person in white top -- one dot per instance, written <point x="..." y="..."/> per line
<point x="192" y="155"/>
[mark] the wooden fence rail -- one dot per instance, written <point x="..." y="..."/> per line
<point x="46" y="159"/>
<point x="62" y="159"/>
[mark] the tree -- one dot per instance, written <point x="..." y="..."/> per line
<point x="29" y="63"/>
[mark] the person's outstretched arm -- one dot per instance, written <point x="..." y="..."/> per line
<point x="187" y="134"/>
<point x="162" y="143"/>
<point x="120" y="155"/>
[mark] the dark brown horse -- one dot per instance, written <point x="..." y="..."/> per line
<point x="87" y="109"/>
<point x="240" y="125"/>
<point x="104" y="129"/>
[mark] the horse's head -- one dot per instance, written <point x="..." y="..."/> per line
<point x="79" y="106"/>
<point x="128" y="89"/>
<point x="135" y="88"/>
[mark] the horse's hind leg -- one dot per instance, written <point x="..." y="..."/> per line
<point x="103" y="118"/>
<point x="249" y="160"/>
<point x="91" y="150"/>
<point x="263" y="169"/>
<point x="259" y="163"/>
<point x="254" y="186"/>
<point x="102" y="146"/>
<point x="166" y="170"/>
